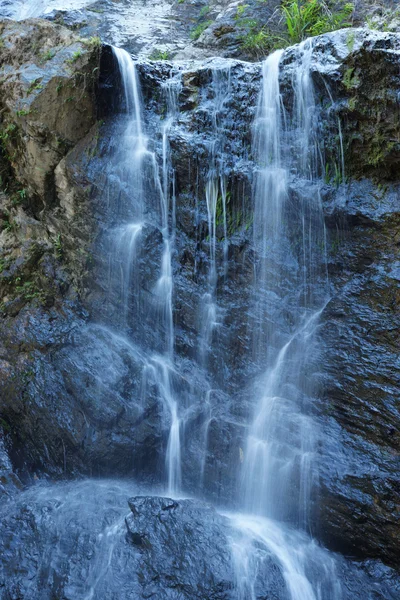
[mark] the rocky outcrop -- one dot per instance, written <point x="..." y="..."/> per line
<point x="48" y="77"/>
<point x="167" y="549"/>
<point x="78" y="542"/>
<point x="361" y="324"/>
<point x="48" y="103"/>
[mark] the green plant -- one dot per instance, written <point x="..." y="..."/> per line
<point x="48" y="55"/>
<point x="338" y="177"/>
<point x="305" y="18"/>
<point x="18" y="197"/>
<point x="9" y="224"/>
<point x="159" y="55"/>
<point x="57" y="245"/>
<point x="240" y="11"/>
<point x="29" y="290"/>
<point x="204" y="11"/>
<point x="92" y="42"/>
<point x="5" y="134"/>
<point x="76" y="56"/>
<point x="198" y="30"/>
<point x="327" y="176"/>
<point x="22" y="113"/>
<point x="35" y="85"/>
<point x="258" y="42"/>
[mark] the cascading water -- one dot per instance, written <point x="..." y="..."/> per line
<point x="278" y="472"/>
<point x="139" y="176"/>
<point x="278" y="463"/>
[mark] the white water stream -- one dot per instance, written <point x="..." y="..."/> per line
<point x="139" y="170"/>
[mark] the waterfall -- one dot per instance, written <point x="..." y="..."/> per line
<point x="278" y="471"/>
<point x="140" y="177"/>
<point x="278" y="468"/>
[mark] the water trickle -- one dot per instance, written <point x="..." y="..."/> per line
<point x="216" y="202"/>
<point x="141" y="177"/>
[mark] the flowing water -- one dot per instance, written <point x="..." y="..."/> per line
<point x="279" y="467"/>
<point x="278" y="473"/>
<point x="134" y="168"/>
<point x="216" y="200"/>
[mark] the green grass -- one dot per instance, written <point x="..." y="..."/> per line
<point x="301" y="19"/>
<point x="198" y="30"/>
<point x="305" y="18"/>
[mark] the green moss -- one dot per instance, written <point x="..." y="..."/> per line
<point x="350" y="79"/>
<point x="350" y="40"/>
<point x="352" y="103"/>
<point x="92" y="42"/>
<point x="5" y="426"/>
<point x="204" y="11"/>
<point x="378" y="150"/>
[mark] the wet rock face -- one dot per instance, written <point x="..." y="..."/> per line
<point x="78" y="541"/>
<point x="164" y="548"/>
<point x="178" y="551"/>
<point x="363" y="68"/>
<point x="359" y="411"/>
<point x="361" y="326"/>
